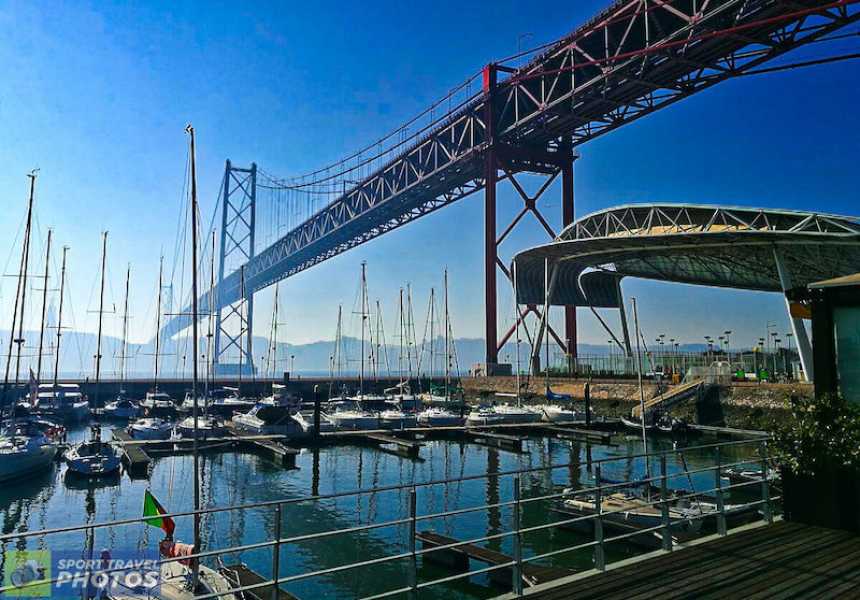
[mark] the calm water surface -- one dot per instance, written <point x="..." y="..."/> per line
<point x="230" y="478"/>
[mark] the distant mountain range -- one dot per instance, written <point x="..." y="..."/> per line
<point x="79" y="349"/>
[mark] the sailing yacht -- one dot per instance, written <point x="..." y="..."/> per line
<point x="122" y="407"/>
<point x="93" y="457"/>
<point x="352" y="418"/>
<point x="150" y="428"/>
<point x="25" y="449"/>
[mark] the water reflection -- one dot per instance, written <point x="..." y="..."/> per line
<point x="234" y="478"/>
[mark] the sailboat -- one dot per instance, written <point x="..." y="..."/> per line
<point x="157" y="406"/>
<point x="184" y="580"/>
<point x="351" y="415"/>
<point x="402" y="414"/>
<point x="93" y="457"/>
<point x="122" y="407"/>
<point x="436" y="416"/>
<point x="26" y="448"/>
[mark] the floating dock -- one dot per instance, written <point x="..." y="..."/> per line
<point x="457" y="558"/>
<point x="135" y="459"/>
<point x="241" y="575"/>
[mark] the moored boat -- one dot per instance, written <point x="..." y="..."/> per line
<point x="93" y="457"/>
<point x="150" y="428"/>
<point x="438" y="417"/>
<point x="121" y="408"/>
<point x="207" y="427"/>
<point x="63" y="401"/>
<point x="395" y="418"/>
<point x="25" y="449"/>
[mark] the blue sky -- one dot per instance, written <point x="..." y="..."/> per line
<point x="97" y="95"/>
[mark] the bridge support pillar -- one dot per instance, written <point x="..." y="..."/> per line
<point x="567" y="217"/>
<point x="234" y="323"/>
<point x="491" y="246"/>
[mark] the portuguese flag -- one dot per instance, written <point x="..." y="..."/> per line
<point x="152" y="508"/>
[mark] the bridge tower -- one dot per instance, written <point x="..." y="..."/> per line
<point x="503" y="161"/>
<point x="234" y="322"/>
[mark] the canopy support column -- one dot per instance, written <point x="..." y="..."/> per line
<point x="804" y="348"/>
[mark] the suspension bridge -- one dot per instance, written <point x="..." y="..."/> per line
<point x="524" y="115"/>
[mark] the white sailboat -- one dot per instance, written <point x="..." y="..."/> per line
<point x="24" y="450"/>
<point x="150" y="428"/>
<point x="123" y="407"/>
<point x="93" y="457"/>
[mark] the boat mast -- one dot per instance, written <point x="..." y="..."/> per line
<point x="158" y="321"/>
<point x="447" y="344"/>
<point x="432" y="332"/>
<point x="273" y="346"/>
<point x="101" y="315"/>
<point x="377" y="346"/>
<point x="44" y="308"/>
<point x="210" y="363"/>
<point x="241" y="324"/>
<point x="410" y="330"/>
<point x="641" y="389"/>
<point x="60" y="317"/>
<point x="363" y="317"/>
<point x="400" y="357"/>
<point x="546" y="320"/>
<point x="196" y="567"/>
<point x="123" y="355"/>
<point x="20" y="293"/>
<point x="517" y="329"/>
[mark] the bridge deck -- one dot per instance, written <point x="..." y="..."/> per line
<point x="784" y="560"/>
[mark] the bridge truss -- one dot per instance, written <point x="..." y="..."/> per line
<point x="633" y="59"/>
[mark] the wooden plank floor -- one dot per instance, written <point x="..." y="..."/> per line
<point x="783" y="560"/>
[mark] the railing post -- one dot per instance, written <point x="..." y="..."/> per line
<point x="599" y="557"/>
<point x="413" y="559"/>
<point x="765" y="484"/>
<point x="664" y="506"/>
<point x="518" y="551"/>
<point x="718" y="487"/>
<point x="276" y="553"/>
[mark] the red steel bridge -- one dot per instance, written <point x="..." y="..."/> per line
<point x="523" y="115"/>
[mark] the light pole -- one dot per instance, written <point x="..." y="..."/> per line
<point x="788" y="337"/>
<point x="727" y="333"/>
<point x="611" y="357"/>
<point x="710" y="341"/>
<point x="292" y="363"/>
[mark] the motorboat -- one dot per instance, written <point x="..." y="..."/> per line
<point x="355" y="418"/>
<point x="93" y="458"/>
<point x="375" y="401"/>
<point x="396" y="418"/>
<point x="401" y="396"/>
<point x="636" y="424"/>
<point x="502" y="414"/>
<point x="280" y="396"/>
<point x="150" y="428"/>
<point x="484" y="416"/>
<point x="25" y="449"/>
<point x="305" y="421"/>
<point x="552" y="396"/>
<point x="669" y="425"/>
<point x="222" y="401"/>
<point x="207" y="427"/>
<point x="158" y="404"/>
<point x="63" y="401"/>
<point x="438" y="417"/>
<point x="121" y="408"/>
<point x="554" y="413"/>
<point x="265" y="419"/>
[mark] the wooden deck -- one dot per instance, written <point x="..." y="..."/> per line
<point x="779" y="561"/>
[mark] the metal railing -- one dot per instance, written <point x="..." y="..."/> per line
<point x="599" y="519"/>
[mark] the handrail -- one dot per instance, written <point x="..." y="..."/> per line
<point x="516" y="532"/>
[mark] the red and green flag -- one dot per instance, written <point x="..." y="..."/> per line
<point x="152" y="508"/>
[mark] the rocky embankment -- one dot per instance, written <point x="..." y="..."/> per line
<point x="740" y="405"/>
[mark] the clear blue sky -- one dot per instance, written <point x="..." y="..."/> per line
<point x="97" y="96"/>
